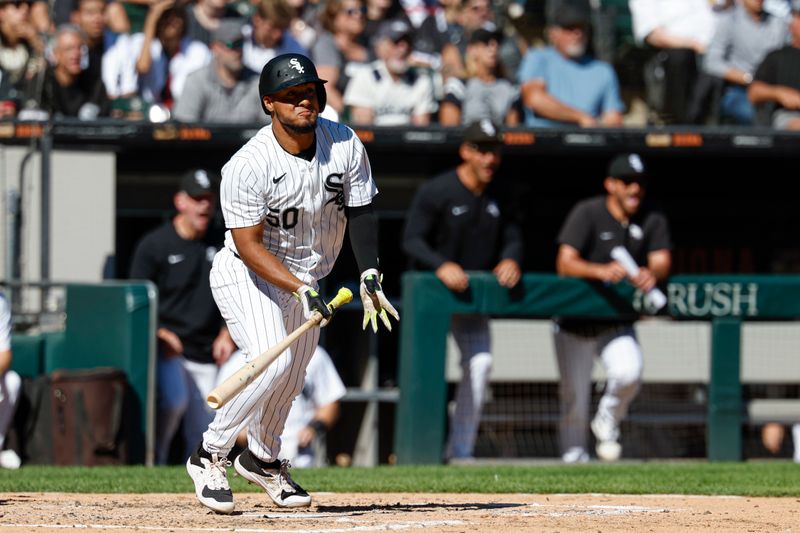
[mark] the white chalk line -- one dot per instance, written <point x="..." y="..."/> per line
<point x="423" y="524"/>
<point x="557" y="510"/>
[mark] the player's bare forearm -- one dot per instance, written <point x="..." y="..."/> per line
<point x="570" y="263"/>
<point x="536" y="97"/>
<point x="5" y="361"/>
<point x="659" y="263"/>
<point x="261" y="261"/>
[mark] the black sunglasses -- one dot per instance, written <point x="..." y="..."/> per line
<point x="238" y="44"/>
<point x="627" y="180"/>
<point x="486" y="148"/>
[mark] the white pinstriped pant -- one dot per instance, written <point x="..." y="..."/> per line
<point x="621" y="356"/>
<point x="258" y="315"/>
<point x="471" y="334"/>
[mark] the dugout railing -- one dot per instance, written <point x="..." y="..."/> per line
<point x="724" y="301"/>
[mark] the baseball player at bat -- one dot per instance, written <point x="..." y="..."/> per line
<point x="287" y="197"/>
<point x="591" y="231"/>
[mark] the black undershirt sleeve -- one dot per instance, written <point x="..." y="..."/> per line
<point x="363" y="228"/>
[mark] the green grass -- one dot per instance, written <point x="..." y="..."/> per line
<point x="745" y="479"/>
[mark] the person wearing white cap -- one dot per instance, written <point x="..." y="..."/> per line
<point x="390" y="92"/>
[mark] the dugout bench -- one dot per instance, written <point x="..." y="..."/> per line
<point x="723" y="301"/>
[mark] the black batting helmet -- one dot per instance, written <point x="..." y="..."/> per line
<point x="288" y="70"/>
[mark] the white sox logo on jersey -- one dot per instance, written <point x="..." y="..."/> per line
<point x="333" y="183"/>
<point x="295" y="64"/>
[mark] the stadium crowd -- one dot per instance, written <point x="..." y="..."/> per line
<point x="534" y="63"/>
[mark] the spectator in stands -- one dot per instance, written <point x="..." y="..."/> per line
<point x="21" y="55"/>
<point x="744" y="36"/>
<point x="224" y="91"/>
<point x="193" y="341"/>
<point x="68" y="90"/>
<point x="390" y="92"/>
<point x="40" y="15"/>
<point x="380" y="11"/>
<point x="269" y="35"/>
<point x="204" y="16"/>
<point x="485" y="93"/>
<point x="591" y="230"/>
<point x="474" y="14"/>
<point x="305" y="19"/>
<point x="153" y="65"/>
<point x="678" y="32"/>
<point x="10" y="384"/>
<point x="459" y="221"/>
<point x="313" y="413"/>
<point x="340" y="46"/>
<point x="776" y="83"/>
<point x="49" y="15"/>
<point x="91" y="17"/>
<point x="437" y="29"/>
<point x="562" y="84"/>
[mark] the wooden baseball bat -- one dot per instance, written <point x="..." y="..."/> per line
<point x="245" y="375"/>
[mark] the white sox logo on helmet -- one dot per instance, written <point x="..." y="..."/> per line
<point x="295" y="64"/>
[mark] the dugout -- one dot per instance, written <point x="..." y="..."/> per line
<point x="725" y="191"/>
<point x="109" y="326"/>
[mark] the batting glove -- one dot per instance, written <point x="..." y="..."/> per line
<point x="375" y="302"/>
<point x="312" y="301"/>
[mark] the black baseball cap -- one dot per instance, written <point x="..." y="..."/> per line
<point x="394" y="30"/>
<point x="569" y="16"/>
<point x="627" y="167"/>
<point x="482" y="35"/>
<point x="199" y="182"/>
<point x="483" y="132"/>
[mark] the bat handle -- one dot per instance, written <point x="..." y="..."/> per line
<point x="342" y="297"/>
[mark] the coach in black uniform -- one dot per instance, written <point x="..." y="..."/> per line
<point x="192" y="338"/>
<point x="592" y="229"/>
<point x="459" y="222"/>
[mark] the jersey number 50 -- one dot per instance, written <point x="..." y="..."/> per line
<point x="285" y="220"/>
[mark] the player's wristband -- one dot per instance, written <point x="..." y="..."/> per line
<point x="318" y="426"/>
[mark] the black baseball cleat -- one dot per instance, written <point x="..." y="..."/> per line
<point x="274" y="478"/>
<point x="210" y="480"/>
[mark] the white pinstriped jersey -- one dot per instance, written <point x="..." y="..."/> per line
<point x="301" y="202"/>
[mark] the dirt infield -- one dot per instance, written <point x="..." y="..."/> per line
<point x="32" y="512"/>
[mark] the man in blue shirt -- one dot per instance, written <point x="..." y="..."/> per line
<point x="562" y="85"/>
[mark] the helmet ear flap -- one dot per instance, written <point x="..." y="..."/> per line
<point x="322" y="96"/>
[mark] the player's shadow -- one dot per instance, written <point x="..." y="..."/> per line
<point x="411" y="507"/>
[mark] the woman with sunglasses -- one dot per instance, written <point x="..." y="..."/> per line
<point x="340" y="46"/>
